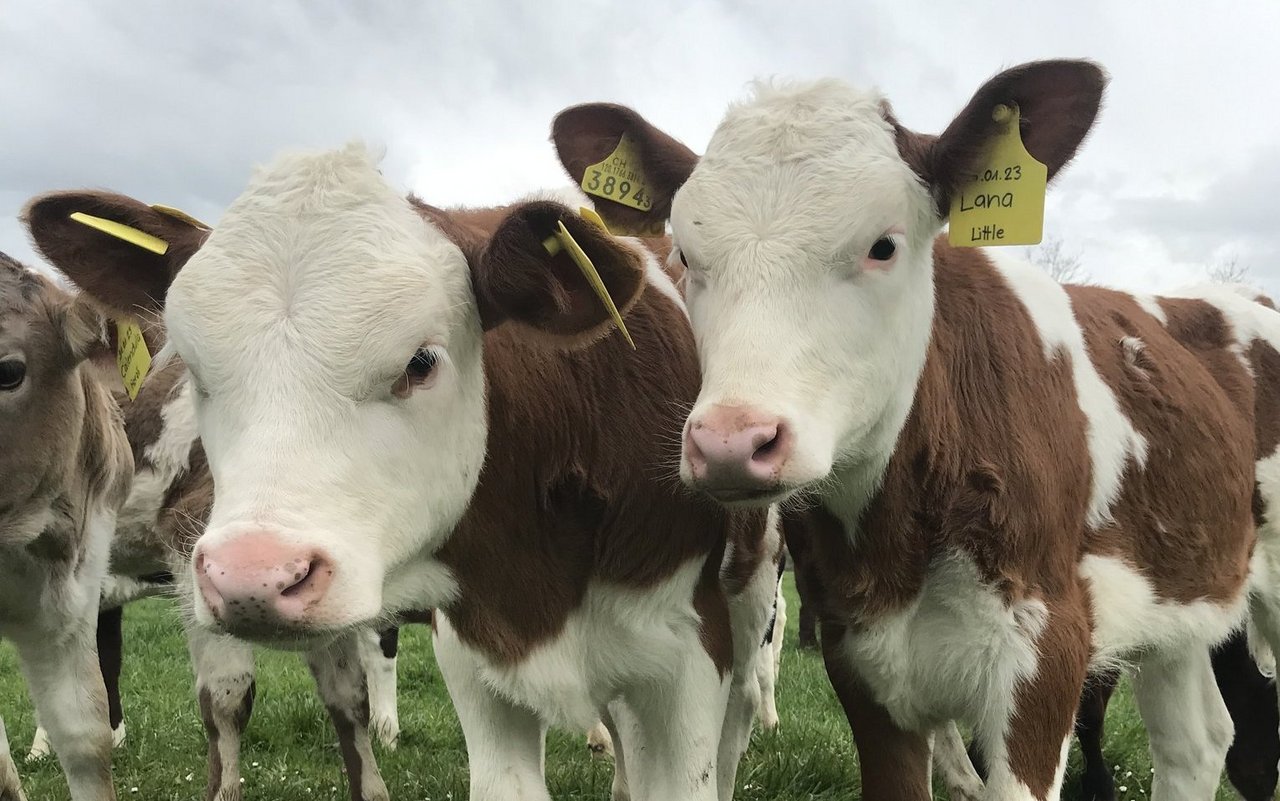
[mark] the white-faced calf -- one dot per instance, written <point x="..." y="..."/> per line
<point x="65" y="469"/>
<point x="1016" y="482"/>
<point x="172" y="489"/>
<point x="405" y="407"/>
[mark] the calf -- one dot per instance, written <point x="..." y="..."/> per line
<point x="407" y="407"/>
<point x="1015" y="483"/>
<point x="64" y="471"/>
<point x="171" y="495"/>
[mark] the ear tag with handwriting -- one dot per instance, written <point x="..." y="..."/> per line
<point x="563" y="240"/>
<point x="132" y="357"/>
<point x="1003" y="203"/>
<point x="121" y="231"/>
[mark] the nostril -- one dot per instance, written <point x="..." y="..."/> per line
<point x="771" y="444"/>
<point x="306" y="575"/>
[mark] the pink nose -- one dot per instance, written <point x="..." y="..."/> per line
<point x="256" y="580"/>
<point x="737" y="449"/>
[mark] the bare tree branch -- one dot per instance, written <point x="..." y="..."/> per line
<point x="1228" y="271"/>
<point x="1062" y="266"/>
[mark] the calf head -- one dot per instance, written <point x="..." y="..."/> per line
<point x="333" y="330"/>
<point x="45" y="336"/>
<point x="808" y="231"/>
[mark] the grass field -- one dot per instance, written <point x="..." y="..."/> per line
<point x="290" y="754"/>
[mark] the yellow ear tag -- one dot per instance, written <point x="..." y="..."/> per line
<point x="132" y="357"/>
<point x="562" y="239"/>
<point x="179" y="214"/>
<point x="121" y="231"/>
<point x="1004" y="203"/>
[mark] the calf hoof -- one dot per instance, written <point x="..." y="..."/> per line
<point x="599" y="742"/>
<point x="769" y="721"/>
<point x="40" y="748"/>
<point x="10" y="788"/>
<point x="118" y="735"/>
<point x="807" y="642"/>
<point x="1101" y="787"/>
<point x="386" y="731"/>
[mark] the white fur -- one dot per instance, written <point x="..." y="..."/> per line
<point x="768" y="243"/>
<point x="1129" y="617"/>
<point x="617" y="637"/>
<point x="296" y="318"/>
<point x="958" y="652"/>
<point x="1113" y="441"/>
<point x="1151" y="306"/>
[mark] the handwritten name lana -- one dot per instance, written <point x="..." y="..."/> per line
<point x="989" y="200"/>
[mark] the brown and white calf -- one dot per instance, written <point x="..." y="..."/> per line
<point x="172" y="492"/>
<point x="64" y="471"/>
<point x="405" y="407"/>
<point x="1016" y="482"/>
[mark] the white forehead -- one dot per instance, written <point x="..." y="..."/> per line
<point x="321" y="244"/>
<point x="804" y="165"/>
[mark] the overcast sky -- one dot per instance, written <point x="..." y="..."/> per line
<point x="175" y="102"/>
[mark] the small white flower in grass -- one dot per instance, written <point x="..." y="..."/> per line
<point x="242" y="780"/>
<point x="255" y="764"/>
<point x="1127" y="773"/>
<point x="190" y="776"/>
<point x="1123" y="788"/>
<point x="133" y="789"/>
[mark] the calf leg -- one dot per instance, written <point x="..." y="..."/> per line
<point x="378" y="652"/>
<point x="341" y="680"/>
<point x="676" y="726"/>
<point x="1251" y="699"/>
<point x="1096" y="782"/>
<point x="621" y="789"/>
<point x="110" y="642"/>
<point x="1026" y="722"/>
<point x="10" y="787"/>
<point x="770" y="664"/>
<point x="894" y="762"/>
<point x="1187" y="723"/>
<point x="71" y="701"/>
<point x="225" y="688"/>
<point x="954" y="765"/>
<point x="506" y="744"/>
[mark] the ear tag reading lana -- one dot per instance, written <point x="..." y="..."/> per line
<point x="121" y="231"/>
<point x="1003" y="204"/>
<point x="179" y="214"/>
<point x="562" y="239"/>
<point x="132" y="357"/>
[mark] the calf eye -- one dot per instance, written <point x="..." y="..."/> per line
<point x="421" y="365"/>
<point x="683" y="260"/>
<point x="883" y="249"/>
<point x="12" y="373"/>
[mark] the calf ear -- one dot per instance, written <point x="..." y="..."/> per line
<point x="587" y="134"/>
<point x="1057" y="103"/>
<point x="123" y="275"/>
<point x="516" y="278"/>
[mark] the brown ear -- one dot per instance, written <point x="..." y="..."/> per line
<point x="119" y="274"/>
<point x="1057" y="103"/>
<point x="587" y="134"/>
<point x="517" y="279"/>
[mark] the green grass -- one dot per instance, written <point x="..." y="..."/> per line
<point x="289" y="752"/>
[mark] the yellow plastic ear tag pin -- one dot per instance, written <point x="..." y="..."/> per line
<point x="179" y="214"/>
<point x="121" y="231"/>
<point x="562" y="239"/>
<point x="132" y="357"/>
<point x="1004" y="203"/>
